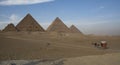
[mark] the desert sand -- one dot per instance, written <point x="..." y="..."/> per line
<point x="73" y="49"/>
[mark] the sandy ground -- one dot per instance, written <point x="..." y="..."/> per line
<point x="106" y="59"/>
<point x="30" y="46"/>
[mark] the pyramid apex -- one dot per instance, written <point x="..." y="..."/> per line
<point x="10" y="24"/>
<point x="72" y="25"/>
<point x="28" y="14"/>
<point x="57" y="18"/>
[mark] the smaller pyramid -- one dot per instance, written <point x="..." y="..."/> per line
<point x="10" y="27"/>
<point x="58" y="26"/>
<point x="28" y="23"/>
<point x="74" y="29"/>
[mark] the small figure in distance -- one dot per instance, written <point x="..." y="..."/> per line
<point x="95" y="44"/>
<point x="48" y="44"/>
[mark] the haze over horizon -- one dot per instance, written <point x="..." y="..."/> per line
<point x="100" y="17"/>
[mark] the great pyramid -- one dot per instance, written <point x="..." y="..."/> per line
<point x="74" y="29"/>
<point x="58" y="26"/>
<point x="9" y="27"/>
<point x="28" y="23"/>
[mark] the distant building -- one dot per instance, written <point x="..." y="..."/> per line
<point x="74" y="29"/>
<point x="58" y="26"/>
<point x="28" y="23"/>
<point x="10" y="27"/>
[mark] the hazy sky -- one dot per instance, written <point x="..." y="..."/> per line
<point x="90" y="16"/>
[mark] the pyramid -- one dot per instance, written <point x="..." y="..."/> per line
<point x="74" y="29"/>
<point x="58" y="26"/>
<point x="10" y="27"/>
<point x="28" y="23"/>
